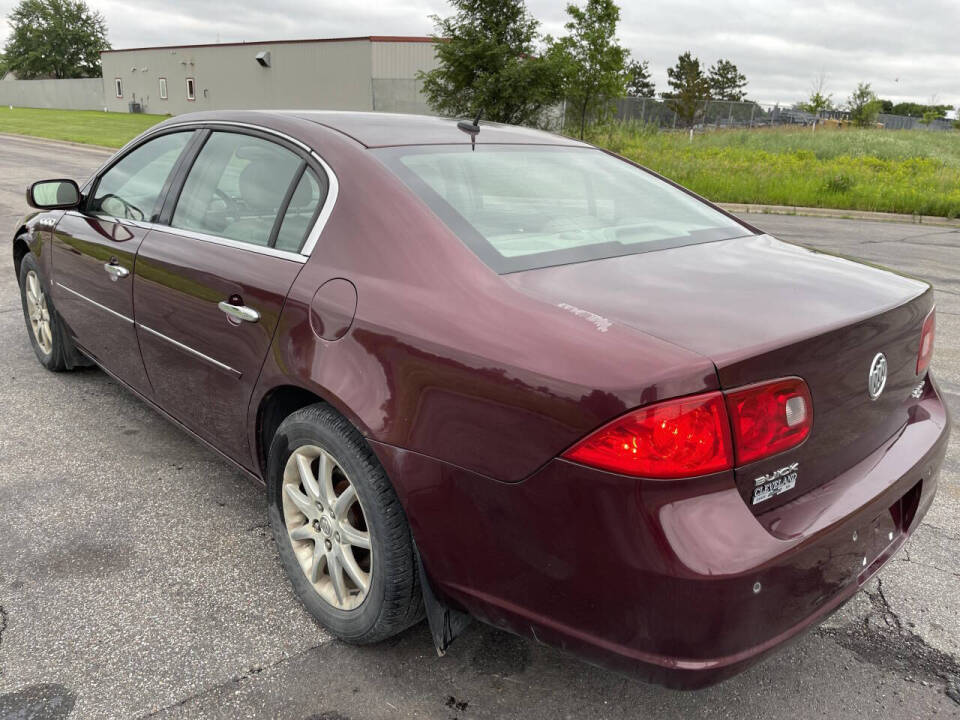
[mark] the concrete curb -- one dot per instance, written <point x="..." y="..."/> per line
<point x="52" y="141"/>
<point x="841" y="214"/>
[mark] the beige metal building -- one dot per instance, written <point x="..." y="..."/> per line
<point x="362" y="73"/>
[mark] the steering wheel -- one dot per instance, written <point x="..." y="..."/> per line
<point x="130" y="212"/>
<point x="233" y="206"/>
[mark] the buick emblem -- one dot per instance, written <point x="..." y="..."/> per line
<point x="878" y="376"/>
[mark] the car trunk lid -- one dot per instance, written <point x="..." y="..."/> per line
<point x="762" y="309"/>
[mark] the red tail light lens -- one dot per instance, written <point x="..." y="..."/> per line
<point x="769" y="418"/>
<point x="926" y="342"/>
<point x="673" y="439"/>
<point x="692" y="436"/>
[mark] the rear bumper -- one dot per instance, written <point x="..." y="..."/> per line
<point x="676" y="582"/>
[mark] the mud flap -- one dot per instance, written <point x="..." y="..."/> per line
<point x="446" y="624"/>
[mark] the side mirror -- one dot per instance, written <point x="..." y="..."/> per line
<point x="53" y="195"/>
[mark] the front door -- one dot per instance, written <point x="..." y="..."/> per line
<point x="94" y="254"/>
<point x="210" y="289"/>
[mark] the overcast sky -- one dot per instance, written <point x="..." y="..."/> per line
<point x="906" y="50"/>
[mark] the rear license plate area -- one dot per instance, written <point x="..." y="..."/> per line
<point x="873" y="543"/>
<point x="886" y="532"/>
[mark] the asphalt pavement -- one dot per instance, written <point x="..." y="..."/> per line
<point x="138" y="577"/>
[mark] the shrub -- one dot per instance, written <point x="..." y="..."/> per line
<point x="838" y="183"/>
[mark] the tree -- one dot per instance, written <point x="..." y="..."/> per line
<point x="55" y="38"/>
<point x="726" y="81"/>
<point x="864" y="106"/>
<point x="913" y="109"/>
<point x="593" y="63"/>
<point x="639" y="82"/>
<point x="488" y="62"/>
<point x="690" y="89"/>
<point x="818" y="101"/>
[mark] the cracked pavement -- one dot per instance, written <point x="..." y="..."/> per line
<point x="138" y="577"/>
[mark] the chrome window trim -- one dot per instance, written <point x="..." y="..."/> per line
<point x="333" y="184"/>
<point x="188" y="349"/>
<point x="227" y="242"/>
<point x="215" y="239"/>
<point x="94" y="302"/>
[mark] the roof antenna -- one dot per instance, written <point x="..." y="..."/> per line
<point x="471" y="128"/>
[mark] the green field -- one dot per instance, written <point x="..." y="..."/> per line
<point x="83" y="126"/>
<point x="882" y="170"/>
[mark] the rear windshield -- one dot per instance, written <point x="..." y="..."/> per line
<point x="525" y="207"/>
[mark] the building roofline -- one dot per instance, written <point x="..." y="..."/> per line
<point x="361" y="38"/>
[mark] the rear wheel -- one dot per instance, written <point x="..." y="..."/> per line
<point x="43" y="324"/>
<point x="341" y="533"/>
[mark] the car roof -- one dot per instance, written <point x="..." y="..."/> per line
<point x="374" y="129"/>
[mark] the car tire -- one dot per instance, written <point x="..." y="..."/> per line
<point x="316" y="524"/>
<point x="44" y="326"/>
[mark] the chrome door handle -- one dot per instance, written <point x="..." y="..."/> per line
<point x="115" y="271"/>
<point x="239" y="312"/>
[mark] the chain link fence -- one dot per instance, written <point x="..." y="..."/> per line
<point x="715" y="114"/>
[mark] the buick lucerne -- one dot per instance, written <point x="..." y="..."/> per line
<point x="489" y="372"/>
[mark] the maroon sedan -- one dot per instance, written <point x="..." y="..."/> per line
<point x="490" y="372"/>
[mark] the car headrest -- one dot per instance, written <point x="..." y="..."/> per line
<point x="263" y="182"/>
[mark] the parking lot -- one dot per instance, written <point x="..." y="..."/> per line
<point x="138" y="577"/>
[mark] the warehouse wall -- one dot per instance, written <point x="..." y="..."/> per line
<point x="79" y="94"/>
<point x="394" y="70"/>
<point x="332" y="75"/>
<point x="357" y="74"/>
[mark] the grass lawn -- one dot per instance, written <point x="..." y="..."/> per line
<point x="904" y="171"/>
<point x="83" y="126"/>
<point x="883" y="170"/>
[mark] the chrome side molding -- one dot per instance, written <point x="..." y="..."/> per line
<point x="191" y="351"/>
<point x="95" y="303"/>
<point x="186" y="348"/>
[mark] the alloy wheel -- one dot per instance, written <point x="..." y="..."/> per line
<point x="38" y="313"/>
<point x="327" y="527"/>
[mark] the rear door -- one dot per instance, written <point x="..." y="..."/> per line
<point x="94" y="251"/>
<point x="210" y="287"/>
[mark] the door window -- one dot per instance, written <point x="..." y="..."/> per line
<point x="237" y="188"/>
<point x="301" y="213"/>
<point x="131" y="188"/>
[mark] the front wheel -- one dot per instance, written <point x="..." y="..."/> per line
<point x="43" y="323"/>
<point x="341" y="533"/>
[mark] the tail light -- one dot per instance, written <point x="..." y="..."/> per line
<point x="673" y="439"/>
<point x="926" y="342"/>
<point x="769" y="418"/>
<point x="692" y="436"/>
